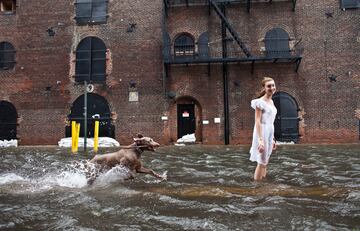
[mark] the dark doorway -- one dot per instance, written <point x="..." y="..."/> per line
<point x="97" y="106"/>
<point x="186" y="119"/>
<point x="8" y="121"/>
<point x="287" y="120"/>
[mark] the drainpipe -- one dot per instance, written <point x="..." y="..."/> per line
<point x="225" y="79"/>
<point x="85" y="115"/>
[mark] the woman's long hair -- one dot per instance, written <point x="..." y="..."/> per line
<point x="263" y="82"/>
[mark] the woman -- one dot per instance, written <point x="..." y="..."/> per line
<point x="263" y="142"/>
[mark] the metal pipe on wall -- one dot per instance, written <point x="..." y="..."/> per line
<point x="225" y="79"/>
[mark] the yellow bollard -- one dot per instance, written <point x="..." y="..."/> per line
<point x="96" y="136"/>
<point x="73" y="136"/>
<point x="77" y="135"/>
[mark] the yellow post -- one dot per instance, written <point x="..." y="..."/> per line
<point x="96" y="136"/>
<point x="77" y="135"/>
<point x="73" y="136"/>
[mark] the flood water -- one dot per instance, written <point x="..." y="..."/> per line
<point x="208" y="188"/>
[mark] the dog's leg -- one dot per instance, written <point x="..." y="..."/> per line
<point x="149" y="171"/>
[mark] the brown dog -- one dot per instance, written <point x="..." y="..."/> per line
<point x="128" y="157"/>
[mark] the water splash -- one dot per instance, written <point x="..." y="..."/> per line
<point x="118" y="173"/>
<point x="9" y="178"/>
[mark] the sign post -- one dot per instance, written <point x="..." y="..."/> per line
<point x="85" y="115"/>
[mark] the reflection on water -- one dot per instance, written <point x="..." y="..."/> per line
<point x="208" y="188"/>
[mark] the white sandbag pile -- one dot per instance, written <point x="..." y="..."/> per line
<point x="284" y="143"/>
<point x="104" y="142"/>
<point x="187" y="139"/>
<point x="8" y="143"/>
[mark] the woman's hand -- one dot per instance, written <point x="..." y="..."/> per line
<point x="261" y="147"/>
<point x="274" y="146"/>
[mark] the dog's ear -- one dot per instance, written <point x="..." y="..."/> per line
<point x="139" y="141"/>
<point x="138" y="137"/>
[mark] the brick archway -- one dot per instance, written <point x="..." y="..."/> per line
<point x="173" y="117"/>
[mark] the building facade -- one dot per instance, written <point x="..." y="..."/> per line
<point x="170" y="68"/>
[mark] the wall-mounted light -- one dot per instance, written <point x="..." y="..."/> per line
<point x="132" y="84"/>
<point x="329" y="14"/>
<point x="131" y="27"/>
<point x="171" y="94"/>
<point x="51" y="31"/>
<point x="332" y="78"/>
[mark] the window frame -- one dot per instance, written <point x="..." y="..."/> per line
<point x="7" y="64"/>
<point x="90" y="19"/>
<point x="279" y="46"/>
<point x="182" y="50"/>
<point x="13" y="7"/>
<point x="354" y="5"/>
<point x="92" y="59"/>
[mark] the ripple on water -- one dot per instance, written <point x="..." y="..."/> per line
<point x="184" y="203"/>
<point x="39" y="189"/>
<point x="186" y="223"/>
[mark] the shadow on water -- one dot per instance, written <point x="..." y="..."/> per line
<point x="309" y="187"/>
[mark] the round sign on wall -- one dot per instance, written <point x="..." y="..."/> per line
<point x="90" y="88"/>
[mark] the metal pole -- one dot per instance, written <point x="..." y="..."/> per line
<point x="225" y="80"/>
<point x="85" y="115"/>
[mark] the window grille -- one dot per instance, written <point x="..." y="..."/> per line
<point x="277" y="43"/>
<point x="184" y="46"/>
<point x="91" y="11"/>
<point x="91" y="60"/>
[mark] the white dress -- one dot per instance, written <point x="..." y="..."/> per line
<point x="267" y="129"/>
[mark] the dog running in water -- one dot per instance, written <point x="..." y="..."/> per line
<point x="128" y="157"/>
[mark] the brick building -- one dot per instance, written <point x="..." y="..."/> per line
<point x="167" y="68"/>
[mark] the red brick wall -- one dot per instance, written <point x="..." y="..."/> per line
<point x="331" y="46"/>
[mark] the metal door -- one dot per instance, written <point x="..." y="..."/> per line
<point x="8" y="120"/>
<point x="287" y="120"/>
<point x="186" y="119"/>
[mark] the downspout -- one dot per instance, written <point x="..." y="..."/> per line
<point x="225" y="79"/>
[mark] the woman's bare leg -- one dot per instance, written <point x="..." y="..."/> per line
<point x="264" y="171"/>
<point x="258" y="175"/>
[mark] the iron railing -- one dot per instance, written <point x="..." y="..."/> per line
<point x="216" y="52"/>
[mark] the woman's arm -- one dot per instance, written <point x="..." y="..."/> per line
<point x="258" y="114"/>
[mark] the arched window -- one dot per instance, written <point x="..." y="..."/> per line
<point x="184" y="45"/>
<point x="203" y="45"/>
<point x="90" y="60"/>
<point x="167" y="47"/>
<point x="277" y="43"/>
<point x="7" y="56"/>
<point x="91" y="11"/>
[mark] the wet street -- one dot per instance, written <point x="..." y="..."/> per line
<point x="309" y="187"/>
